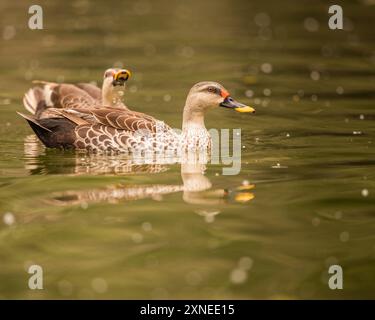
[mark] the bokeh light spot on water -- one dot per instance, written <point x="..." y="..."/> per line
<point x="5" y="101"/>
<point x="84" y="205"/>
<point x="99" y="285"/>
<point x="167" y="97"/>
<point x="315" y="221"/>
<point x="330" y="261"/>
<point x="137" y="237"/>
<point x="267" y="92"/>
<point x="245" y="182"/>
<point x="266" y="67"/>
<point x="9" y="219"/>
<point x="185" y="51"/>
<point x="249" y="93"/>
<point x="364" y="193"/>
<point x="238" y="276"/>
<point x="28" y="75"/>
<point x="340" y="90"/>
<point x="147" y="226"/>
<point x="338" y="215"/>
<point x="265" y="33"/>
<point x="315" y="75"/>
<point x="344" y="236"/>
<point x="311" y="24"/>
<point x="265" y="102"/>
<point x="133" y="88"/>
<point x="262" y="19"/>
<point x="65" y="288"/>
<point x="60" y="78"/>
<point x="81" y="7"/>
<point x="9" y="32"/>
<point x="245" y="263"/>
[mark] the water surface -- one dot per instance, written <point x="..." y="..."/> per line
<point x="102" y="228"/>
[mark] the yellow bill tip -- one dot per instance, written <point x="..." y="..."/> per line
<point x="245" y="109"/>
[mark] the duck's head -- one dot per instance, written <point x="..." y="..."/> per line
<point x="114" y="85"/>
<point x="207" y="95"/>
<point x="116" y="77"/>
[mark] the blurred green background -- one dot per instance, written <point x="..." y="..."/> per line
<point x="309" y="151"/>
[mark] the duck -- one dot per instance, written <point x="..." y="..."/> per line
<point x="39" y="100"/>
<point x="108" y="129"/>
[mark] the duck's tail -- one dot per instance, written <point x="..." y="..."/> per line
<point x="33" y="121"/>
<point x="53" y="132"/>
<point x="38" y="98"/>
<point x="34" y="100"/>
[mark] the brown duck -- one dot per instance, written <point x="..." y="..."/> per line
<point x="49" y="95"/>
<point x="107" y="126"/>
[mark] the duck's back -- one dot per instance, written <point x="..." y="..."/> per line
<point x="46" y="95"/>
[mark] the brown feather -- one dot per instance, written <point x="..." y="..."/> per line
<point x="77" y="120"/>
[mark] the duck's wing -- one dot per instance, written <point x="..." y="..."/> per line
<point x="117" y="130"/>
<point x="101" y="129"/>
<point x="121" y="119"/>
<point x="129" y="121"/>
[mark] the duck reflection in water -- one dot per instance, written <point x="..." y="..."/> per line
<point x="196" y="188"/>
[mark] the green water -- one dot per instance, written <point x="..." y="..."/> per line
<point x="99" y="232"/>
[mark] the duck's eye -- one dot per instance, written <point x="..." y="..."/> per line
<point x="107" y="74"/>
<point x="211" y="89"/>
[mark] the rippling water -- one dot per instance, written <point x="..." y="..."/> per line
<point x="102" y="227"/>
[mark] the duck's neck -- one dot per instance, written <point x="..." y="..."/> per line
<point x="112" y="97"/>
<point x="194" y="133"/>
<point x="193" y="121"/>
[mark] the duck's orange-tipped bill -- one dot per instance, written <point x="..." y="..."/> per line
<point x="230" y="103"/>
<point x="245" y="109"/>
